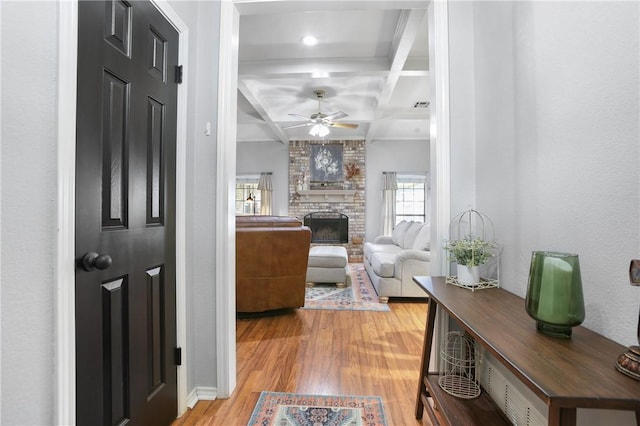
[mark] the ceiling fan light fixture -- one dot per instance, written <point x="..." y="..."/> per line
<point x="309" y="40"/>
<point x="319" y="130"/>
<point x="321" y="122"/>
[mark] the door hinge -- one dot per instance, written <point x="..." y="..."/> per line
<point x="178" y="74"/>
<point x="178" y="356"/>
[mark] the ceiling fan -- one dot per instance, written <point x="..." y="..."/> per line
<point x="319" y="121"/>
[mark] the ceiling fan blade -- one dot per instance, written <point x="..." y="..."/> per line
<point x="343" y="125"/>
<point x="335" y="116"/>
<point x="293" y="126"/>
<point x="304" y="117"/>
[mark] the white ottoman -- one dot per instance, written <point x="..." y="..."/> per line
<point x="327" y="264"/>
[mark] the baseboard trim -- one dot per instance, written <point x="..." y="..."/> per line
<point x="201" y="394"/>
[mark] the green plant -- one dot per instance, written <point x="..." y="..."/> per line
<point x="470" y="251"/>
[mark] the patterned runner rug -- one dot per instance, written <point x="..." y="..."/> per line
<point x="291" y="409"/>
<point x="359" y="295"/>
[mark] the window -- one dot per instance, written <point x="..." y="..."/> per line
<point x="411" y="198"/>
<point x="247" y="195"/>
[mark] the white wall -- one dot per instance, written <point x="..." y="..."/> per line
<point x="203" y="19"/>
<point x="389" y="156"/>
<point x="555" y="146"/>
<point x="272" y="156"/>
<point x="462" y="114"/>
<point x="568" y="155"/>
<point x="29" y="193"/>
<point x="583" y="128"/>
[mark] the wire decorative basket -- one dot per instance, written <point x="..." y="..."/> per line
<point x="473" y="232"/>
<point x="483" y="283"/>
<point x="471" y="222"/>
<point x="458" y="356"/>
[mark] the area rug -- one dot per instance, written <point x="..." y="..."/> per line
<point x="292" y="409"/>
<point x="359" y="295"/>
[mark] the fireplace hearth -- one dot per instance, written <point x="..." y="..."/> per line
<point x="328" y="227"/>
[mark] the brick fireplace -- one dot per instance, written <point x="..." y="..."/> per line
<point x="340" y="194"/>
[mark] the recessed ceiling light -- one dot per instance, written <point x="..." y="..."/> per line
<point x="310" y="40"/>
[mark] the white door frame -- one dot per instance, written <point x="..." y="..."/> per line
<point x="440" y="146"/>
<point x="225" y="185"/>
<point x="225" y="200"/>
<point x="440" y="143"/>
<point x="65" y="368"/>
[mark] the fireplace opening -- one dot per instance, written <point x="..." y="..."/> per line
<point x="328" y="227"/>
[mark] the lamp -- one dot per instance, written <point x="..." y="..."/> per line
<point x="319" y="130"/>
<point x="554" y="293"/>
<point x="252" y="199"/>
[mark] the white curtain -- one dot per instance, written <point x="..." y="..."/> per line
<point x="389" y="187"/>
<point x="266" y="187"/>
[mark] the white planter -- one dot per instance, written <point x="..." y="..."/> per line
<point x="468" y="275"/>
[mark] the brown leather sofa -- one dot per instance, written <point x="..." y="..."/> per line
<point x="271" y="263"/>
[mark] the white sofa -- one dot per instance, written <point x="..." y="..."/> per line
<point x="392" y="261"/>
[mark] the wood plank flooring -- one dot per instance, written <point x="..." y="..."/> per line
<point x="325" y="352"/>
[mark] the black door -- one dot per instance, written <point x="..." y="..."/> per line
<point x="125" y="213"/>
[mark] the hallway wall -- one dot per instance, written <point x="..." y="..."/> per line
<point x="202" y="18"/>
<point x="29" y="202"/>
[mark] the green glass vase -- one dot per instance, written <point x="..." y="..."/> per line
<point x="554" y="293"/>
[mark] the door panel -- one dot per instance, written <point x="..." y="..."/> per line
<point x="115" y="326"/>
<point x="155" y="331"/>
<point x="118" y="25"/>
<point x="155" y="181"/>
<point x="125" y="207"/>
<point x="114" y="142"/>
<point x="157" y="64"/>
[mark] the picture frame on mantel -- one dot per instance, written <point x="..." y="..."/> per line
<point x="325" y="164"/>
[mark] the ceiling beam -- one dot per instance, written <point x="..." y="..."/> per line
<point x="408" y="26"/>
<point x="305" y="67"/>
<point x="242" y="87"/>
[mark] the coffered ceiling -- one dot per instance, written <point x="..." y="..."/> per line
<point x="371" y="60"/>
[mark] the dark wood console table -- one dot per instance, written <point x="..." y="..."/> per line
<point x="565" y="373"/>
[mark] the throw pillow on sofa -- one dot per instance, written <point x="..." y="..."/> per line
<point x="397" y="236"/>
<point x="423" y="239"/>
<point x="411" y="235"/>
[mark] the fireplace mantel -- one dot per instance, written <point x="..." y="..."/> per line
<point x="328" y="195"/>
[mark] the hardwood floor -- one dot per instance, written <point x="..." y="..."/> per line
<point x="325" y="352"/>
